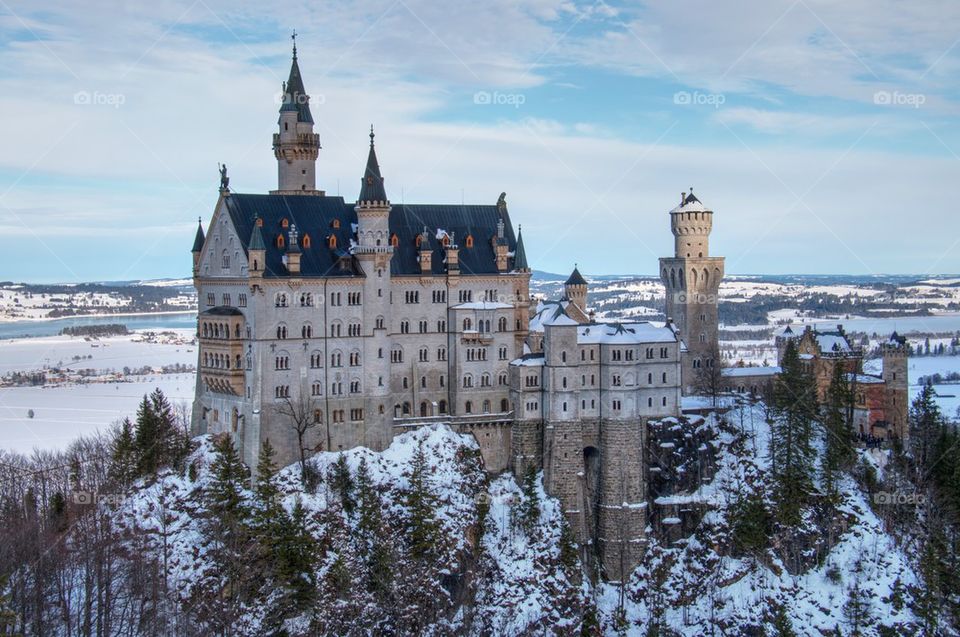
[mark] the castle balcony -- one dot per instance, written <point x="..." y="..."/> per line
<point x="223" y="381"/>
<point x="473" y="337"/>
<point x="413" y="422"/>
<point x="311" y="140"/>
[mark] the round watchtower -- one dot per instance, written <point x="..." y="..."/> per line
<point x="691" y="224"/>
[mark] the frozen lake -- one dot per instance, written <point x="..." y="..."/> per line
<point x="173" y="320"/>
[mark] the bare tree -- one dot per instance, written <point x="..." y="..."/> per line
<point x="709" y="377"/>
<point x="301" y="414"/>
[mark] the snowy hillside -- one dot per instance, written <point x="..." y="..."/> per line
<point x="501" y="561"/>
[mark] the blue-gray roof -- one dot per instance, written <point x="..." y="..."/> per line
<point x="320" y="217"/>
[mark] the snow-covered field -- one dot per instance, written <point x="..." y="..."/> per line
<point x="63" y="412"/>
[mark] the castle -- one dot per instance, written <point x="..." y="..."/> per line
<point x="879" y="400"/>
<point x="326" y="324"/>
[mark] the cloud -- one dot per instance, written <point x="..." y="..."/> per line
<point x="168" y="90"/>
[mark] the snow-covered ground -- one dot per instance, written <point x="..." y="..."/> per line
<point x="63" y="412"/>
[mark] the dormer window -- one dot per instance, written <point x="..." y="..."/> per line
<point x="280" y="241"/>
<point x="419" y="240"/>
<point x="394" y="240"/>
<point x="446" y="241"/>
<point x="284" y="223"/>
<point x="335" y="223"/>
<point x="332" y="241"/>
<point x="259" y="222"/>
<point x="305" y="242"/>
<point x="469" y="240"/>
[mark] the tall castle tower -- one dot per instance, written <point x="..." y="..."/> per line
<point x="575" y="289"/>
<point x="896" y="389"/>
<point x="296" y="146"/>
<point x="692" y="281"/>
<point x="374" y="253"/>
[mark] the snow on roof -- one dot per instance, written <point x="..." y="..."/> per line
<point x="483" y="305"/>
<point x="550" y="313"/>
<point x="529" y="360"/>
<point x="625" y="333"/>
<point x="864" y="379"/>
<point x="832" y="342"/>
<point x="736" y="372"/>
<point x="690" y="204"/>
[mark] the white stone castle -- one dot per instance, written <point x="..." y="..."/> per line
<point x="326" y="325"/>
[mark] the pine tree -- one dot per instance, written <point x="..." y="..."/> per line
<point x="925" y="422"/>
<point x="123" y="462"/>
<point x="342" y="483"/>
<point x="420" y="504"/>
<point x="227" y="529"/>
<point x="296" y="557"/>
<point x="840" y="453"/>
<point x="146" y="439"/>
<point x="751" y="524"/>
<point x="782" y="626"/>
<point x="530" y="505"/>
<point x="795" y="407"/>
<point x="372" y="539"/>
<point x="857" y="610"/>
<point x="929" y="601"/>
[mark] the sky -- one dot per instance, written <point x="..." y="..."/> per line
<point x="823" y="135"/>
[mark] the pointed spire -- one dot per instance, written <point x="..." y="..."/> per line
<point x="575" y="277"/>
<point x="198" y="240"/>
<point x="371" y="188"/>
<point x="295" y="96"/>
<point x="256" y="237"/>
<point x="520" y="255"/>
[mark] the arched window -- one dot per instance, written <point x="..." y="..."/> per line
<point x="332" y="241"/>
<point x="394" y="240"/>
<point x="419" y="240"/>
<point x="469" y="241"/>
<point x="335" y="223"/>
<point x="445" y="241"/>
<point x="305" y="241"/>
<point x="284" y="223"/>
<point x="280" y="241"/>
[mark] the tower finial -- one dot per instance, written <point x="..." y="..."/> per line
<point x="371" y="135"/>
<point x="293" y="37"/>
